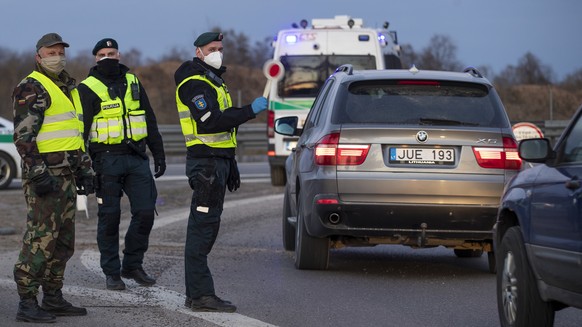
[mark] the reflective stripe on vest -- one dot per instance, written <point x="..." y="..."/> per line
<point x="188" y="124"/>
<point x="61" y="128"/>
<point x="118" y="118"/>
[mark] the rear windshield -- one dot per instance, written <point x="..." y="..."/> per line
<point x="304" y="75"/>
<point x="435" y="103"/>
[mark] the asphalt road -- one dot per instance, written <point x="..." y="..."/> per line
<point x="381" y="286"/>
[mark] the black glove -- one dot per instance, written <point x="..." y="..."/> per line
<point x="233" y="181"/>
<point x="44" y="184"/>
<point x="159" y="166"/>
<point x="85" y="185"/>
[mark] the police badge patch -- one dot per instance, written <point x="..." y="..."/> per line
<point x="199" y="102"/>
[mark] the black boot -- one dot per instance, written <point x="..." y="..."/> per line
<point x="114" y="282"/>
<point x="55" y="303"/>
<point x="188" y="302"/>
<point x="139" y="275"/>
<point x="29" y="311"/>
<point x="212" y="303"/>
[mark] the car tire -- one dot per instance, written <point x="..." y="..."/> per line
<point x="7" y="170"/>
<point x="468" y="253"/>
<point x="310" y="252"/>
<point x="288" y="229"/>
<point x="518" y="299"/>
<point x="278" y="177"/>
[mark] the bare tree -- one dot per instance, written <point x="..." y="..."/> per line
<point x="261" y="52"/>
<point x="177" y="54"/>
<point x="79" y="66"/>
<point x="440" y="54"/>
<point x="408" y="56"/>
<point x="529" y="70"/>
<point x="573" y="81"/>
<point x="132" y="58"/>
<point x="236" y="45"/>
<point x="13" y="68"/>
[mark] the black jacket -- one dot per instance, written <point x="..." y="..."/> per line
<point x="209" y="118"/>
<point x="92" y="105"/>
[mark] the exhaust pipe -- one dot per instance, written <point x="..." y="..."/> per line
<point x="334" y="218"/>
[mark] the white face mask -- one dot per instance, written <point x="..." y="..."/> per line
<point x="54" y="64"/>
<point x="214" y="59"/>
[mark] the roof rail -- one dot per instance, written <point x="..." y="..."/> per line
<point x="349" y="69"/>
<point x="473" y="71"/>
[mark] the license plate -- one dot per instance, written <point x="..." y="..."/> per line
<point x="422" y="156"/>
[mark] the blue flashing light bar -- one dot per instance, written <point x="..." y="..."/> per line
<point x="382" y="39"/>
<point x="363" y="37"/>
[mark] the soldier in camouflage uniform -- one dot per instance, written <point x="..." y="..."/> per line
<point x="48" y="136"/>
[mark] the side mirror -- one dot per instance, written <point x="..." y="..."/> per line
<point x="535" y="150"/>
<point x="287" y="126"/>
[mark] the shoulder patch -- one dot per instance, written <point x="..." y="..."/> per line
<point x="199" y="102"/>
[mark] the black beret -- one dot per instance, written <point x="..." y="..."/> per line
<point x="105" y="43"/>
<point x="50" y="39"/>
<point x="206" y="38"/>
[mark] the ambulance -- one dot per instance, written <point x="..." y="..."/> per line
<point x="304" y="57"/>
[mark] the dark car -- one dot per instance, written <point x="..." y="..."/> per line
<point x="538" y="234"/>
<point x="410" y="157"/>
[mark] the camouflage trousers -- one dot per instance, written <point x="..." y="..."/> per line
<point x="49" y="239"/>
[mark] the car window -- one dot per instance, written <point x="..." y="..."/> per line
<point x="572" y="152"/>
<point x="316" y="109"/>
<point x="419" y="102"/>
<point x="305" y="75"/>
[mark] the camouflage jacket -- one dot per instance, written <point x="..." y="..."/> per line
<point x="30" y="100"/>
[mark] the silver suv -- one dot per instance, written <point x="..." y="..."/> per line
<point x="410" y="157"/>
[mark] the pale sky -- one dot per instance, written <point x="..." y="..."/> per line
<point x="495" y="33"/>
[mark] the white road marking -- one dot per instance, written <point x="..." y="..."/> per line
<point x="155" y="296"/>
<point x="158" y="295"/>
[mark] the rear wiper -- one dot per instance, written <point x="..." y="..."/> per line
<point x="436" y="121"/>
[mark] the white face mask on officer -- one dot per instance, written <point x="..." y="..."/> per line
<point x="214" y="59"/>
<point x="53" y="64"/>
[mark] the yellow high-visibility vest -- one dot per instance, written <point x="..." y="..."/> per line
<point x="118" y="118"/>
<point x="188" y="124"/>
<point x="61" y="129"/>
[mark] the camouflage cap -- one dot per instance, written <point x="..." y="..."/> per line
<point x="207" y="37"/>
<point x="50" y="39"/>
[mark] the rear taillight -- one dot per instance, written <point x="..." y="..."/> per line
<point x="328" y="152"/>
<point x="499" y="158"/>
<point x="327" y="201"/>
<point x="270" y="123"/>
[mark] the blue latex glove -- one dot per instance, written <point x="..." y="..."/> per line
<point x="259" y="104"/>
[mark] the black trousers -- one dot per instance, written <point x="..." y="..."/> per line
<point x="129" y="174"/>
<point x="207" y="178"/>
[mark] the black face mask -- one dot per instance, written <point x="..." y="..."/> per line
<point x="109" y="67"/>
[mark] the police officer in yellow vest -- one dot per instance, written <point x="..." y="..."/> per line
<point x="209" y="123"/>
<point x="47" y="135"/>
<point x="119" y="123"/>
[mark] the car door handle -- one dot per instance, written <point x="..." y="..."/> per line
<point x="573" y="184"/>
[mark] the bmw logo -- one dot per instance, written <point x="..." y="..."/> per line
<point x="422" y="136"/>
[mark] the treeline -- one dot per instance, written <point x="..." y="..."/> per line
<point x="529" y="89"/>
